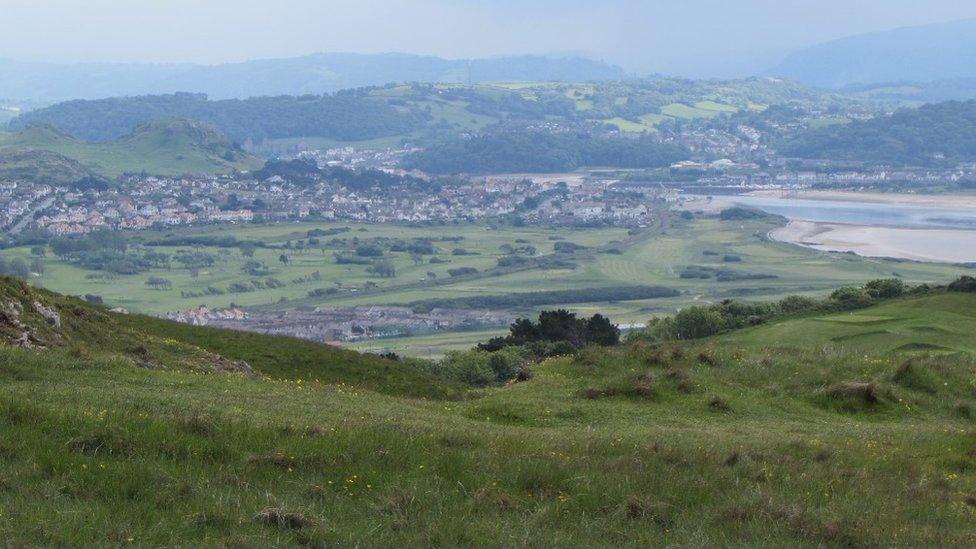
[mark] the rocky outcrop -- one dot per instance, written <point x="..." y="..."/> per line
<point x="50" y="315"/>
<point x="224" y="366"/>
<point x="15" y="332"/>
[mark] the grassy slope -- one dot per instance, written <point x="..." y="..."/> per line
<point x="938" y="324"/>
<point x="162" y="149"/>
<point x="713" y="443"/>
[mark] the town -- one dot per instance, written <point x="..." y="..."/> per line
<point x="581" y="198"/>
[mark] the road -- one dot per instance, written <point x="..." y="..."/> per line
<point x="29" y="216"/>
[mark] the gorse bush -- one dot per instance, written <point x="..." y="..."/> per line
<point x="480" y="368"/>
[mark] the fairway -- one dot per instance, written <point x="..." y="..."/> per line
<point x="942" y="323"/>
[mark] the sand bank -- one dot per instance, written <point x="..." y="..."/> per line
<point x="931" y="245"/>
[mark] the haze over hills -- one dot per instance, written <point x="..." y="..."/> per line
<point x="920" y="54"/>
<point x="310" y="74"/>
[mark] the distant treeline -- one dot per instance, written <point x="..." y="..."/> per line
<point x="924" y="136"/>
<point x="214" y="241"/>
<point x="553" y="297"/>
<point x="544" y="152"/>
<point x="349" y="115"/>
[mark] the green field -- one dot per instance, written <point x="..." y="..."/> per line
<point x="734" y="441"/>
<point x="650" y="259"/>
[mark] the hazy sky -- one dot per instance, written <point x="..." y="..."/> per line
<point x="689" y="37"/>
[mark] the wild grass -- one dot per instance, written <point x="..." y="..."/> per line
<point x="718" y="442"/>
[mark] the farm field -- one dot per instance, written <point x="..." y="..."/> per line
<point x="705" y="259"/>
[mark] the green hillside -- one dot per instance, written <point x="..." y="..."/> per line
<point x="166" y="147"/>
<point x="725" y="441"/>
<point x="931" y="135"/>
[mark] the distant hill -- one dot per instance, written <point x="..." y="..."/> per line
<point x="165" y="147"/>
<point x="311" y="74"/>
<point x="924" y="136"/>
<point x="918" y="54"/>
<point x="417" y="112"/>
<point x="347" y="116"/>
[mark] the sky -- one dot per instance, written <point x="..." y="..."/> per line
<point x="692" y="38"/>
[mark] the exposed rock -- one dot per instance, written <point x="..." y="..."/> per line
<point x="10" y="312"/>
<point x="27" y="340"/>
<point x="50" y="315"/>
<point x="224" y="366"/>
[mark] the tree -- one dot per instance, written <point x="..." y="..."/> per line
<point x="284" y="259"/>
<point x="38" y="251"/>
<point x="158" y="283"/>
<point x="562" y="325"/>
<point x="601" y="331"/>
<point x="247" y="249"/>
<point x="37" y="266"/>
<point x="382" y="268"/>
<point x="964" y="283"/>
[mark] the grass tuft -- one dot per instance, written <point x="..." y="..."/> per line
<point x="280" y="518"/>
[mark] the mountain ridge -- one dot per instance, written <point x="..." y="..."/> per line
<point x="921" y="53"/>
<point x="309" y="74"/>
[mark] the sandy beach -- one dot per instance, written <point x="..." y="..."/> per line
<point x="931" y="245"/>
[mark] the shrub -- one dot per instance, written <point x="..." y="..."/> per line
<point x="462" y="271"/>
<point x="698" y="322"/>
<point x="886" y="288"/>
<point x="797" y="304"/>
<point x="965" y="284"/>
<point x="369" y="250"/>
<point x="848" y="294"/>
<point x="567" y="247"/>
<point x="739" y="213"/>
